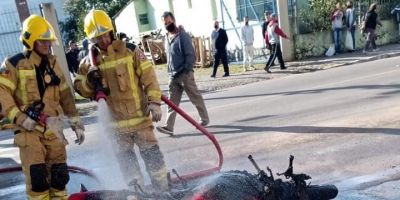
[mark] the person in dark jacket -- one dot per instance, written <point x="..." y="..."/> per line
<point x="72" y="57"/>
<point x="219" y="39"/>
<point x="180" y="62"/>
<point x="122" y="36"/>
<point x="370" y="22"/>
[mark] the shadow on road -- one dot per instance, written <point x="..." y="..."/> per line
<point x="393" y="87"/>
<point x="294" y="129"/>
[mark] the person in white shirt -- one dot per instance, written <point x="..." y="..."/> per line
<point x="248" y="40"/>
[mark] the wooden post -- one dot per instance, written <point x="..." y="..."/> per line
<point x="210" y="50"/>
<point x="202" y="51"/>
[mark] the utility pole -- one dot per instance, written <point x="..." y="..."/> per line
<point x="222" y="13"/>
<point x="23" y="10"/>
<point x="283" y="18"/>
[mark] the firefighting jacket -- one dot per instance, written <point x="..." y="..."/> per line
<point x="19" y="88"/>
<point x="132" y="82"/>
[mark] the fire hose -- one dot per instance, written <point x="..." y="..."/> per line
<point x="204" y="131"/>
<point x="191" y="176"/>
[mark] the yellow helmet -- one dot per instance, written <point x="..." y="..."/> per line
<point x="97" y="23"/>
<point x="36" y="28"/>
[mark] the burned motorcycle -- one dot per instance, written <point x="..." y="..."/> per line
<point x="230" y="185"/>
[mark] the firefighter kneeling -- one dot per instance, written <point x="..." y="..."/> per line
<point x="34" y="97"/>
<point x="134" y="92"/>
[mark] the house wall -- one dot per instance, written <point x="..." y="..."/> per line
<point x="155" y="9"/>
<point x="127" y="21"/>
<point x="196" y="16"/>
<point x="142" y="9"/>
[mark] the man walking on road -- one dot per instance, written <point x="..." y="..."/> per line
<point x="134" y="95"/>
<point x="248" y="40"/>
<point x="219" y="39"/>
<point x="34" y="97"/>
<point x="272" y="36"/>
<point x="180" y="62"/>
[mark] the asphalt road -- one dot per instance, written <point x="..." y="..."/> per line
<point x="341" y="125"/>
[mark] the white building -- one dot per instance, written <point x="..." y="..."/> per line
<point x="197" y="17"/>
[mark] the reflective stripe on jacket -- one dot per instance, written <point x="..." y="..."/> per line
<point x="19" y="89"/>
<point x="132" y="82"/>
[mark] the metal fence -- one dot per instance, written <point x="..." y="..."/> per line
<point x="10" y="28"/>
<point x="255" y="8"/>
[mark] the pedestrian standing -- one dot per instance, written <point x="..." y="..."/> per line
<point x="337" y="25"/>
<point x="134" y="95"/>
<point x="267" y="16"/>
<point x="272" y="37"/>
<point x="180" y="62"/>
<point x="370" y="23"/>
<point x="34" y="96"/>
<point x="351" y="22"/>
<point x="248" y="40"/>
<point x="72" y="57"/>
<point x="220" y="40"/>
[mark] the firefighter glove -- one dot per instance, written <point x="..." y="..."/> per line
<point x="79" y="130"/>
<point x="29" y="124"/>
<point x="155" y="111"/>
<point x="80" y="136"/>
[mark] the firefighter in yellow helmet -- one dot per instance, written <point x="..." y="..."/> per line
<point x="34" y="97"/>
<point x="134" y="93"/>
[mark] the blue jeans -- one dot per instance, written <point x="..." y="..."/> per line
<point x="336" y="39"/>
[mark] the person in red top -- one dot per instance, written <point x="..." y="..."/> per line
<point x="272" y="38"/>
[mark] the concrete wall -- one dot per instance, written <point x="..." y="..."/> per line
<point x="316" y="44"/>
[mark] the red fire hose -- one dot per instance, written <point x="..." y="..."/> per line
<point x="203" y="131"/>
<point x="191" y="176"/>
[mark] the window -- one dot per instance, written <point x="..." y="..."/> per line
<point x="143" y="19"/>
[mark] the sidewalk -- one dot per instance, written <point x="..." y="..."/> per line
<point x="238" y="77"/>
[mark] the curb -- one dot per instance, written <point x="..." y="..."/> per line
<point x="369" y="59"/>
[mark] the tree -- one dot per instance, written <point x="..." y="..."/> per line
<point x="72" y="28"/>
<point x="317" y="16"/>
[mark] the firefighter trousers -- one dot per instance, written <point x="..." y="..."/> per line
<point x="149" y="151"/>
<point x="44" y="165"/>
